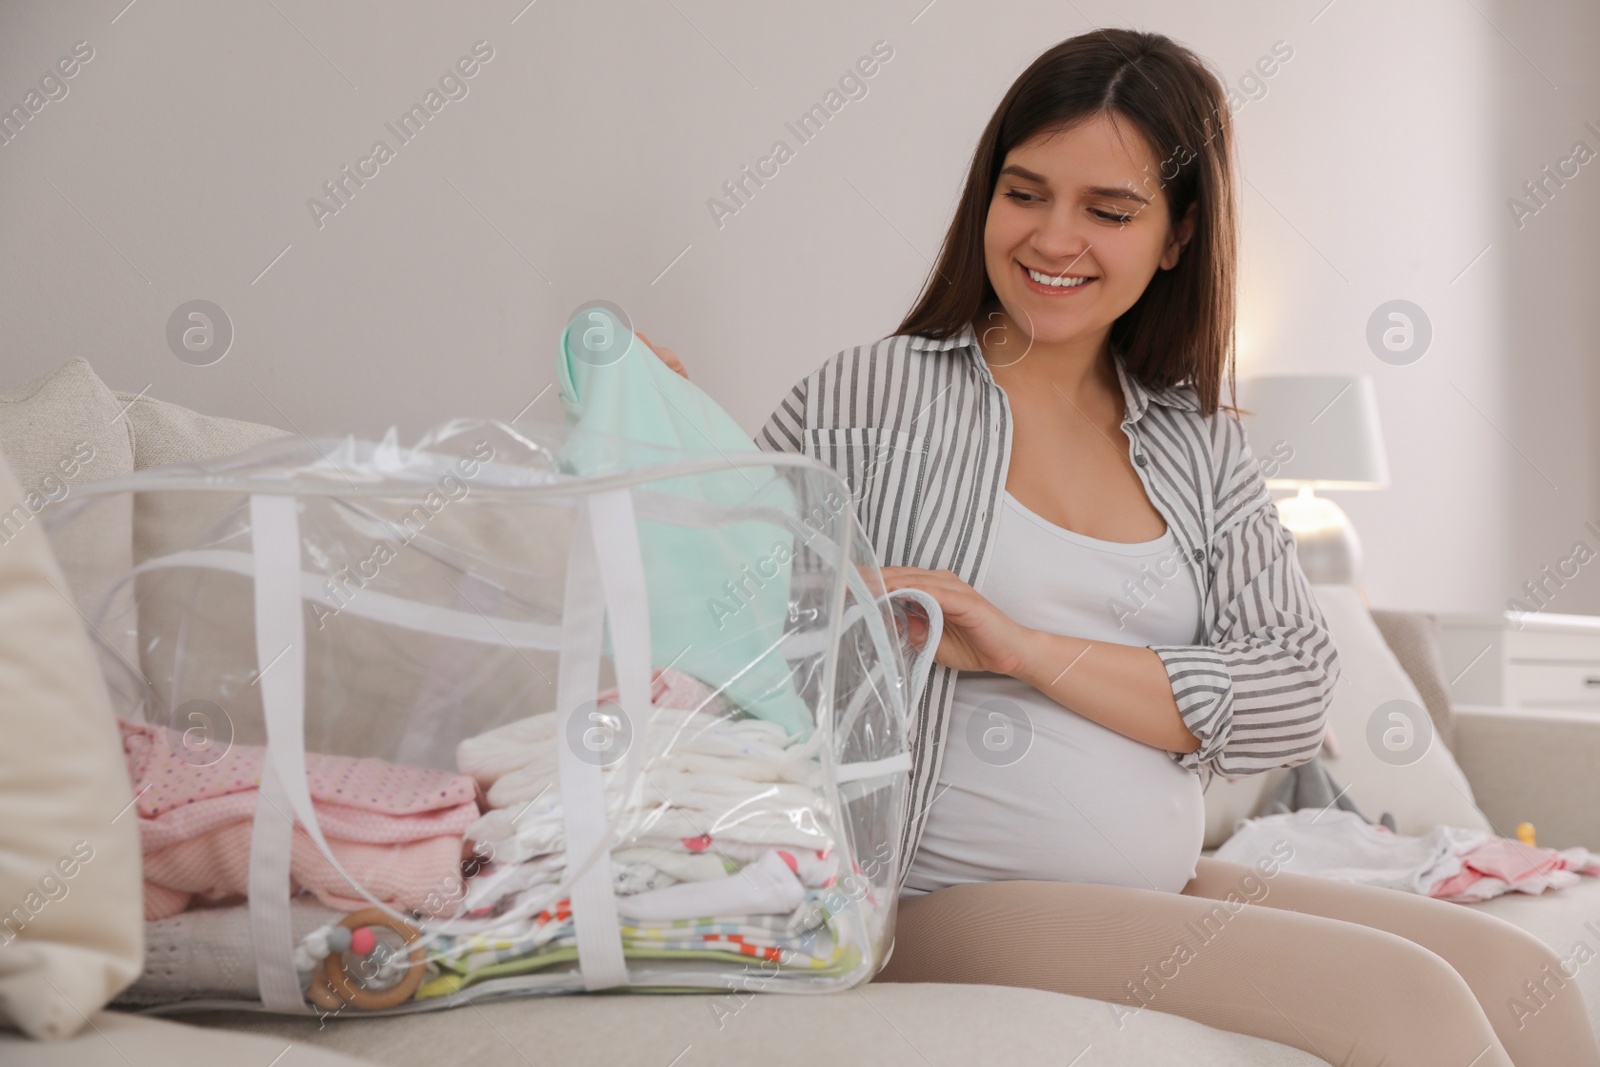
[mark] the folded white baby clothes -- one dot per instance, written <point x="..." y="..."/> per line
<point x="680" y="864"/>
<point x="517" y="762"/>
<point x="664" y="809"/>
<point x="766" y="887"/>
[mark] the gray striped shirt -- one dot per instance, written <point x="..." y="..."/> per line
<point x="921" y="432"/>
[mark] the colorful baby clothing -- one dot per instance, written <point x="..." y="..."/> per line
<point x="164" y="781"/>
<point x="397" y="830"/>
<point x="215" y="866"/>
<point x="337" y="821"/>
<point x="1449" y="862"/>
<point x="626" y="406"/>
<point x="724" y="808"/>
<point x="704" y="771"/>
<point x="1503" y="865"/>
<point x="804" y="940"/>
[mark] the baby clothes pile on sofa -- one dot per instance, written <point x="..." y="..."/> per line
<point x="1449" y="862"/>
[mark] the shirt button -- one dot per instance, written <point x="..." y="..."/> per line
<point x="1139" y="458"/>
<point x="1199" y="555"/>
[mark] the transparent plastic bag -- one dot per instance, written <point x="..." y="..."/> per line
<point x="409" y="727"/>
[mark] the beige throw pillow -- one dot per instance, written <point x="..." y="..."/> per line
<point x="71" y="920"/>
<point x="164" y="433"/>
<point x="61" y="431"/>
<point x="1414" y="638"/>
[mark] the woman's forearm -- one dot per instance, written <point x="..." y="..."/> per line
<point x="1124" y="688"/>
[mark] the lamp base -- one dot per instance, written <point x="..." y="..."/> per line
<point x="1325" y="542"/>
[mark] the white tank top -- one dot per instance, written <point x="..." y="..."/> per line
<point x="1029" y="789"/>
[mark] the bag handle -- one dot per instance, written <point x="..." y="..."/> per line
<point x="281" y="676"/>
<point x="604" y="558"/>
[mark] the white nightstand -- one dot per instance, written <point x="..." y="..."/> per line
<point x="1522" y="661"/>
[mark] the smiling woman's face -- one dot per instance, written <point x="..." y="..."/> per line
<point x="1078" y="204"/>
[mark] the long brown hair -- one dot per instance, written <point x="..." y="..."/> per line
<point x="1180" y="331"/>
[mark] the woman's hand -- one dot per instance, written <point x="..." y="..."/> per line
<point x="977" y="635"/>
<point x="668" y="356"/>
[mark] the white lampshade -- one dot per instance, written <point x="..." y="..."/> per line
<point x="1315" y="430"/>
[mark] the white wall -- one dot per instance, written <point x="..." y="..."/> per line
<point x="180" y="163"/>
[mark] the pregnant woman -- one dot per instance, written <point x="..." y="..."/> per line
<point x="1043" y="446"/>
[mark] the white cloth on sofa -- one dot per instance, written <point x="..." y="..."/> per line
<point x="1341" y="845"/>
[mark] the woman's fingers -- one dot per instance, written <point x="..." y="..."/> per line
<point x="918" y="578"/>
<point x="667" y="355"/>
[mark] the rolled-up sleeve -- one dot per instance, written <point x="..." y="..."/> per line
<point x="1257" y="694"/>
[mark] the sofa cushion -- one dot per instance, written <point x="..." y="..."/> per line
<point x="1428" y="791"/>
<point x="60" y="431"/>
<point x="71" y="935"/>
<point x="1534" y="765"/>
<point x="887" y="1025"/>
<point x="114" y="1039"/>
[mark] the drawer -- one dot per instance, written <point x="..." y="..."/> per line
<point x="1553" y="685"/>
<point x="1539" y="643"/>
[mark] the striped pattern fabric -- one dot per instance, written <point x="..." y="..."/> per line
<point x="921" y="433"/>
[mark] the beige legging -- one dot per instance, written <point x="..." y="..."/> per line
<point x="1357" y="975"/>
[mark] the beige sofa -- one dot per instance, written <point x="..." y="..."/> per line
<point x="1509" y="761"/>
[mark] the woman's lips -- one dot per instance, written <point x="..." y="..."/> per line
<point x="1052" y="290"/>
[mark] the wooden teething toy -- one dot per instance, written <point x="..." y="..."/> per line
<point x="332" y="988"/>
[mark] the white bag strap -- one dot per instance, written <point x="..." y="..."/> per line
<point x="280" y="644"/>
<point x="922" y="662"/>
<point x="917" y="680"/>
<point x="605" y="579"/>
<point x="367" y="604"/>
<point x="271" y="840"/>
<point x="281" y="676"/>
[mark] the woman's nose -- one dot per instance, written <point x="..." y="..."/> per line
<point x="1059" y="241"/>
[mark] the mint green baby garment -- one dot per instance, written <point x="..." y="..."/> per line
<point x="719" y="594"/>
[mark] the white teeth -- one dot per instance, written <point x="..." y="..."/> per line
<point x="1050" y="279"/>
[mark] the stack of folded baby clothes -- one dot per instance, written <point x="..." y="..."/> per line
<point x="716" y="853"/>
<point x="399" y="831"/>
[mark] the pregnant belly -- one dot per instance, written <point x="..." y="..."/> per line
<point x="1031" y="790"/>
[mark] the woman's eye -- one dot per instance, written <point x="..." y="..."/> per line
<point x="1026" y="198"/>
<point x="1111" y="216"/>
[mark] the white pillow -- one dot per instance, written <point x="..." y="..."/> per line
<point x="1418" y="780"/>
<point x="71" y="914"/>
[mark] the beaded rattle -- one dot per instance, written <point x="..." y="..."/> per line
<point x="332" y="987"/>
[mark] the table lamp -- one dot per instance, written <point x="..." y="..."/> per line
<point x="1311" y="432"/>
